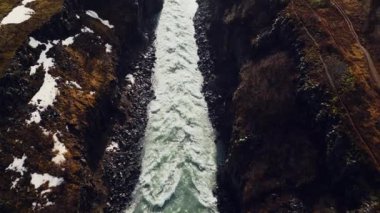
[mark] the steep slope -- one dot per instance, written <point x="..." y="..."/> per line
<point x="13" y="35"/>
<point x="295" y="97"/>
<point x="59" y="92"/>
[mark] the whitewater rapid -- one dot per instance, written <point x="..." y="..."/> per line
<point x="179" y="161"/>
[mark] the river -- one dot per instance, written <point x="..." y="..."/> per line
<point x="178" y="171"/>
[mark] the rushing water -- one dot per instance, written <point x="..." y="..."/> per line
<point x="179" y="162"/>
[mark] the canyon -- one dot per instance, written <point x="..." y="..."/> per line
<point x="189" y="106"/>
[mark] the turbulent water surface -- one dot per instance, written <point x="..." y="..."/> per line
<point x="179" y="162"/>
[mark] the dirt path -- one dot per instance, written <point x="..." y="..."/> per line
<point x="334" y="87"/>
<point x="373" y="71"/>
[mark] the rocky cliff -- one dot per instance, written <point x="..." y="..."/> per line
<point x="294" y="92"/>
<point x="62" y="69"/>
<point x="293" y="88"/>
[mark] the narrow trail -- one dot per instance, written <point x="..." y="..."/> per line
<point x="335" y="90"/>
<point x="372" y="68"/>
<point x="179" y="162"/>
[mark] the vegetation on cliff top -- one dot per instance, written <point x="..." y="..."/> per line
<point x="12" y="36"/>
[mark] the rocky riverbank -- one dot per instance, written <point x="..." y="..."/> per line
<point x="294" y="100"/>
<point x="122" y="160"/>
<point x="216" y="96"/>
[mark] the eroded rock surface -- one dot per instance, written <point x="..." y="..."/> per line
<point x="292" y="87"/>
<point x="62" y="71"/>
<point x="296" y="104"/>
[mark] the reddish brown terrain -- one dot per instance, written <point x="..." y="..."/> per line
<point x="293" y="88"/>
<point x="299" y="104"/>
<point x="51" y="154"/>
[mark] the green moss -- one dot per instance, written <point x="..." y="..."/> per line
<point x="347" y="83"/>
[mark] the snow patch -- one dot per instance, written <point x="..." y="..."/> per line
<point x="18" y="165"/>
<point x="19" y="14"/>
<point x="25" y="2"/>
<point x="45" y="191"/>
<point x="68" y="41"/>
<point x="113" y="147"/>
<point x="39" y="179"/>
<point x="35" y="117"/>
<point x="45" y="131"/>
<point x="130" y="79"/>
<point x="60" y="149"/>
<point x="86" y="30"/>
<point x="94" y="15"/>
<point x="33" y="42"/>
<point x="108" y="48"/>
<point x="49" y="203"/>
<point x="45" y="97"/>
<point x="43" y="60"/>
<point x="73" y="84"/>
<point x="14" y="183"/>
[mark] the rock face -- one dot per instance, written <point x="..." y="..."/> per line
<point x="59" y="91"/>
<point x="296" y="104"/>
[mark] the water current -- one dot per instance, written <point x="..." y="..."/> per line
<point x="179" y="161"/>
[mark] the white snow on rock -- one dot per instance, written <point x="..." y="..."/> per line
<point x="39" y="179"/>
<point x="94" y="15"/>
<point x="113" y="147"/>
<point x="25" y="2"/>
<point x="18" y="165"/>
<point x="43" y="60"/>
<point x="14" y="183"/>
<point x="19" y="14"/>
<point x="68" y="41"/>
<point x="47" y="191"/>
<point x="49" y="203"/>
<point x="130" y="78"/>
<point x="60" y="149"/>
<point x="33" y="42"/>
<point x="45" y="131"/>
<point x="73" y="84"/>
<point x="46" y="95"/>
<point x="35" y="117"/>
<point x="44" y="98"/>
<point x="108" y="48"/>
<point x="86" y="30"/>
<point x="37" y="206"/>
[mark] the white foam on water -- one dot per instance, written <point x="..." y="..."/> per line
<point x="179" y="163"/>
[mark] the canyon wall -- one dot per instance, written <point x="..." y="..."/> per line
<point x="296" y="104"/>
<point x="61" y="72"/>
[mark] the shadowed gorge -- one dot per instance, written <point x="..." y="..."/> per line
<point x="178" y="169"/>
<point x="189" y="106"/>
